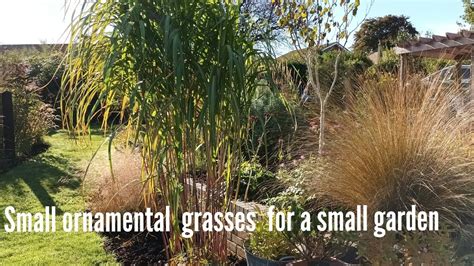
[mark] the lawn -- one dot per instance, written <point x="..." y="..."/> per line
<point x="51" y="178"/>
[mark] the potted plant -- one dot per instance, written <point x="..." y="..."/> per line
<point x="274" y="248"/>
<point x="268" y="247"/>
<point x="294" y="247"/>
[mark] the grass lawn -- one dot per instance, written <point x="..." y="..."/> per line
<point x="51" y="178"/>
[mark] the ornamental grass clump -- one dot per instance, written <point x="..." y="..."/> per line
<point x="125" y="193"/>
<point x="403" y="146"/>
<point x="179" y="76"/>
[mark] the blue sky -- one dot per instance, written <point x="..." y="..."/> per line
<point x="35" y="21"/>
<point x="437" y="16"/>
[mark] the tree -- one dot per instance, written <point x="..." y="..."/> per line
<point x="262" y="20"/>
<point x="468" y="11"/>
<point x="387" y="31"/>
<point x="311" y="25"/>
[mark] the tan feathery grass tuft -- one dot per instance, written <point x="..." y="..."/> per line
<point x="403" y="146"/>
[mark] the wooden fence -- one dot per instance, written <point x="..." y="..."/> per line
<point x="7" y="131"/>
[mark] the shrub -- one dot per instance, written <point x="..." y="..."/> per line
<point x="46" y="71"/>
<point x="311" y="245"/>
<point x="402" y="146"/>
<point x="387" y="64"/>
<point x="390" y="62"/>
<point x="256" y="182"/>
<point x="283" y="129"/>
<point x="351" y="65"/>
<point x="271" y="245"/>
<point x="431" y="65"/>
<point x="272" y="127"/>
<point x="33" y="118"/>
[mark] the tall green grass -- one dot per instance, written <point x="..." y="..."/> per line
<point x="180" y="75"/>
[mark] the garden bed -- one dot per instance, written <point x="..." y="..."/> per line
<point x="136" y="248"/>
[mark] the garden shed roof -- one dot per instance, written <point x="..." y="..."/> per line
<point x="452" y="46"/>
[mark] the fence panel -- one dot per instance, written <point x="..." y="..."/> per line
<point x="2" y="155"/>
<point x="7" y="130"/>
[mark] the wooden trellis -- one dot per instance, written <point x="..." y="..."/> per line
<point x="7" y="130"/>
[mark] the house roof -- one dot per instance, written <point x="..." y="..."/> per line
<point x="333" y="46"/>
<point x="451" y="46"/>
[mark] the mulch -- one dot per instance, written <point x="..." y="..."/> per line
<point x="136" y="248"/>
<point x="143" y="249"/>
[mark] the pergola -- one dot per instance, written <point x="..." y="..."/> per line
<point x="454" y="46"/>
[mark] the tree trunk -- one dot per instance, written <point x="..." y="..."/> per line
<point x="323" y="104"/>
<point x="322" y="125"/>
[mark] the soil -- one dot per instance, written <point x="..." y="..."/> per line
<point x="235" y="261"/>
<point x="136" y="248"/>
<point x="143" y="249"/>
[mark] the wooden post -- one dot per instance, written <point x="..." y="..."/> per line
<point x="456" y="77"/>
<point x="8" y="126"/>
<point x="457" y="72"/>
<point x="402" y="72"/>
<point x="2" y="155"/>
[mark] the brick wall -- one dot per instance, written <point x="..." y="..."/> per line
<point x="235" y="239"/>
